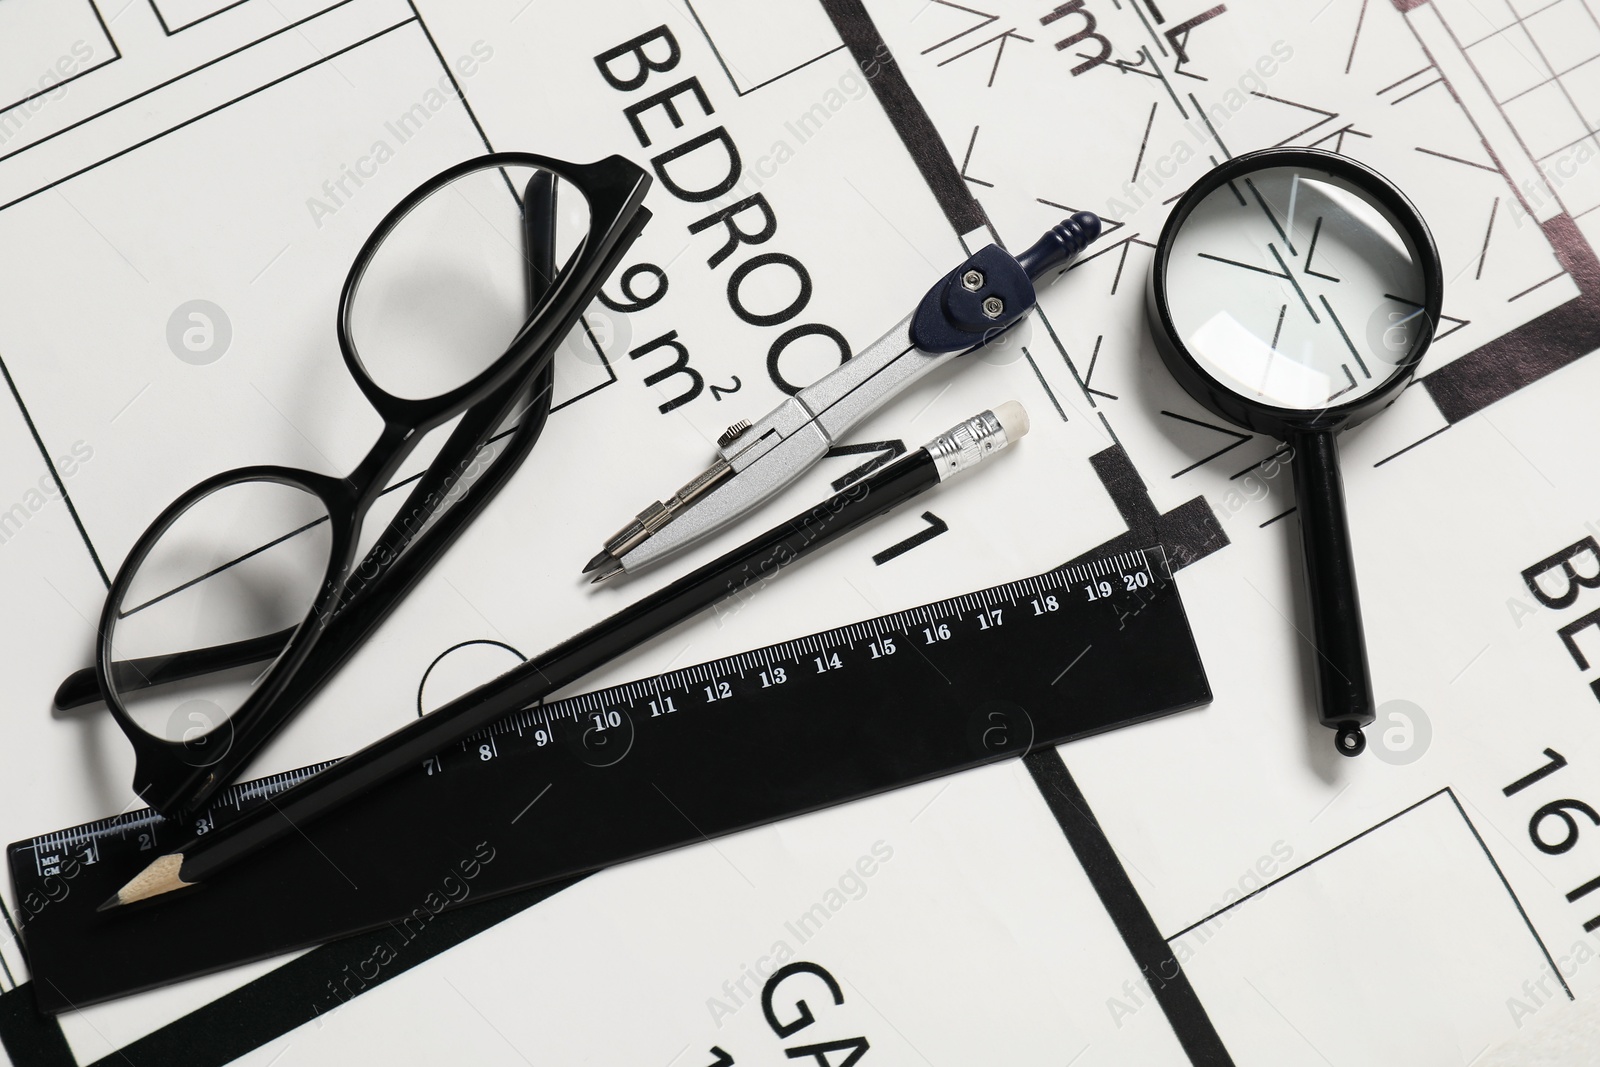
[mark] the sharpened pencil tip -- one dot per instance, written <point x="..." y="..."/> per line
<point x="600" y="560"/>
<point x="111" y="902"/>
<point x="164" y="874"/>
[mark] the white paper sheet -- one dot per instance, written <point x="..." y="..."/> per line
<point x="205" y="153"/>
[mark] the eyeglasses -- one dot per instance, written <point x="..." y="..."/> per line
<point x="246" y="594"/>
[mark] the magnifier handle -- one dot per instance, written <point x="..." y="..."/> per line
<point x="1344" y="685"/>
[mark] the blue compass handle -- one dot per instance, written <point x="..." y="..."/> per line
<point x="992" y="290"/>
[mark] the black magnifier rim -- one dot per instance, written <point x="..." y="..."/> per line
<point x="1267" y="418"/>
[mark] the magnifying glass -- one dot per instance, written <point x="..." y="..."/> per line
<point x="1293" y="293"/>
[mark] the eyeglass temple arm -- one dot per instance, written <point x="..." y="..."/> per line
<point x="81" y="688"/>
<point x="477" y="427"/>
<point x="470" y="436"/>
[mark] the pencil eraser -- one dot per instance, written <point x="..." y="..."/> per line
<point x="1013" y="418"/>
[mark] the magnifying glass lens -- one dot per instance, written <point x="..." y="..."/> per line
<point x="1293" y="289"/>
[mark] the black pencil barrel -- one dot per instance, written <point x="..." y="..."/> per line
<point x="752" y="564"/>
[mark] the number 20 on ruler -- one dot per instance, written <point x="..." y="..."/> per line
<point x="1561" y="810"/>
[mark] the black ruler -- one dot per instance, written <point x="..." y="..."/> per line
<point x="582" y="783"/>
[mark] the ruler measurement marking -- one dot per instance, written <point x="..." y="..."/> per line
<point x="53" y="848"/>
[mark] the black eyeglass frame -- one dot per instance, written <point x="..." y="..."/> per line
<point x="166" y="775"/>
